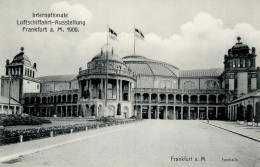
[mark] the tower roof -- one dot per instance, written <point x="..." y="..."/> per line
<point x="239" y="46"/>
<point x="21" y="59"/>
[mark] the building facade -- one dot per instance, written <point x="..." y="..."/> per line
<point x="146" y="88"/>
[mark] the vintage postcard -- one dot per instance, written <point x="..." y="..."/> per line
<point x="129" y="83"/>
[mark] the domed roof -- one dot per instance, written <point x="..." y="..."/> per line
<point x="239" y="45"/>
<point x="21" y="58"/>
<point x="111" y="56"/>
<point x="143" y="66"/>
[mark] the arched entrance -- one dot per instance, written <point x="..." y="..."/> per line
<point x="111" y="111"/>
<point x="249" y="113"/>
<point x="92" y="110"/>
<point x="100" y="111"/>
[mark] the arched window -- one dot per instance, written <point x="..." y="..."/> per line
<point x="188" y="85"/>
<point x="48" y="88"/>
<point x="210" y="84"/>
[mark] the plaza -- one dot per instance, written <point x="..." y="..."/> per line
<point x="145" y="143"/>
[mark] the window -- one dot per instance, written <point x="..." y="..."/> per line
<point x="231" y="63"/>
<point x="241" y="63"/>
<point x="38" y="86"/>
<point x="249" y="82"/>
<point x="111" y="89"/>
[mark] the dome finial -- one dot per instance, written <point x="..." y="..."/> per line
<point x="22" y="49"/>
<point x="238" y="38"/>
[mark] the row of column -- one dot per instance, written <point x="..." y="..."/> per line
<point x="174" y="98"/>
<point x="14" y="111"/>
<point x="119" y="89"/>
<point x="47" y="110"/>
<point x="232" y="112"/>
<point x="174" y="112"/>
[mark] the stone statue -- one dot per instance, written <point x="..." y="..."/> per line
<point x="253" y="50"/>
<point x="229" y="52"/>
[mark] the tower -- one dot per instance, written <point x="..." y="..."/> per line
<point x="240" y="73"/>
<point x="19" y="78"/>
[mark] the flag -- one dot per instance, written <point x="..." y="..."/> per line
<point x="139" y="34"/>
<point x="112" y="34"/>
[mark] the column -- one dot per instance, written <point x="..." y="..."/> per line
<point x="189" y="98"/>
<point x="166" y="110"/>
<point x="207" y="99"/>
<point x="101" y="88"/>
<point x="189" y="113"/>
<point x="149" y="112"/>
<point x="141" y="111"/>
<point x="66" y="109"/>
<point x="158" y="98"/>
<point x="207" y="112"/>
<point x="80" y="89"/>
<point x="129" y="87"/>
<point x="181" y="112"/>
<point x="77" y="111"/>
<point x="181" y="98"/>
<point x="14" y="109"/>
<point x="198" y="113"/>
<point x="90" y="90"/>
<point x="158" y="111"/>
<point x="174" y="99"/>
<point x="216" y="99"/>
<point x="71" y="112"/>
<point x="216" y="113"/>
<point x="150" y="98"/>
<point x="121" y="90"/>
<point x="166" y="96"/>
<point x="235" y="113"/>
<point x="174" y="113"/>
<point x="117" y="90"/>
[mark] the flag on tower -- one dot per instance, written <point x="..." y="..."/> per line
<point x="112" y="34"/>
<point x="139" y="34"/>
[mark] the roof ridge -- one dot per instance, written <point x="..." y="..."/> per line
<point x="204" y="69"/>
<point x="150" y="68"/>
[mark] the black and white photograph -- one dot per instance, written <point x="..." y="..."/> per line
<point x="130" y="83"/>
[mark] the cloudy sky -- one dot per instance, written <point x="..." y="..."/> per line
<point x="190" y="34"/>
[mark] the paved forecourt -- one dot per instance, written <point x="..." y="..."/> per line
<point x="150" y="143"/>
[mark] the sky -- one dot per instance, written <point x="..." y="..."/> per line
<point x="189" y="34"/>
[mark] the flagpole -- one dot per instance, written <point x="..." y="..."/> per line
<point x="106" y="68"/>
<point x="107" y="33"/>
<point x="9" y="90"/>
<point x="134" y="39"/>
